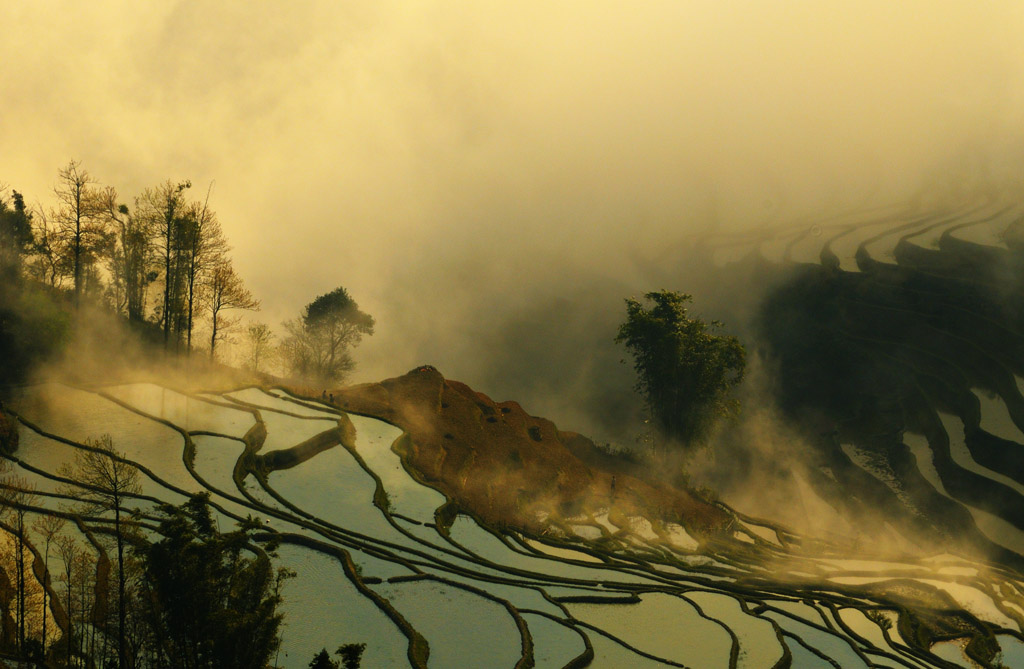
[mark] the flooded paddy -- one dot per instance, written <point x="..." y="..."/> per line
<point x="641" y="594"/>
<point x="673" y="629"/>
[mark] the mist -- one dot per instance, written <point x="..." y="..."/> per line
<point x="490" y="181"/>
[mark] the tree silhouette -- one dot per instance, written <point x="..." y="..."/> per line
<point x="224" y="292"/>
<point x="15" y="234"/>
<point x="318" y="343"/>
<point x="18" y="494"/>
<point x="81" y="221"/>
<point x="208" y="603"/>
<point x="164" y="208"/>
<point x="69" y="552"/>
<point x="105" y="483"/>
<point x="685" y="371"/>
<point x="351" y="656"/>
<point x="132" y="256"/>
<point x="260" y="340"/>
<point x="49" y="527"/>
<point x="322" y="660"/>
<point x="204" y="252"/>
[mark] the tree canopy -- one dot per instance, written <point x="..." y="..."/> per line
<point x="685" y="371"/>
<point x="318" y="343"/>
<point x="211" y="598"/>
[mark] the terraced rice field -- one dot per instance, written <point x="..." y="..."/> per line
<point x="377" y="562"/>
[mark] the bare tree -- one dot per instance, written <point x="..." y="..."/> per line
<point x="89" y="613"/>
<point x="17" y="496"/>
<point x="80" y="218"/>
<point x="224" y="292"/>
<point x="106" y="482"/>
<point x="69" y="551"/>
<point x="132" y="256"/>
<point x="44" y="264"/>
<point x="261" y="344"/>
<point x="203" y="247"/>
<point x="49" y="527"/>
<point x="165" y="207"/>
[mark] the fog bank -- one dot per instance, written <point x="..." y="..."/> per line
<point x="490" y="181"/>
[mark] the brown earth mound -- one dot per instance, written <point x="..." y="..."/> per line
<point x="506" y="466"/>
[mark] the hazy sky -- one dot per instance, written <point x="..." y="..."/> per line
<point x="449" y="162"/>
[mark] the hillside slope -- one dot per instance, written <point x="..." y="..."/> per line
<point x="510" y="468"/>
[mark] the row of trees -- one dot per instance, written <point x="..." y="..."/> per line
<point x="163" y="264"/>
<point x="162" y="260"/>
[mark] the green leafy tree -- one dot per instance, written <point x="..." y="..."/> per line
<point x="34" y="325"/>
<point x="685" y="371"/>
<point x="210" y="598"/>
<point x="318" y="343"/>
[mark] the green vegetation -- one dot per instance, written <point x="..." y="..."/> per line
<point x="206" y="602"/>
<point x="35" y="325"/>
<point x="685" y="371"/>
<point x="318" y="343"/>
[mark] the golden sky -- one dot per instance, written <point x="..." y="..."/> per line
<point x="449" y="160"/>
